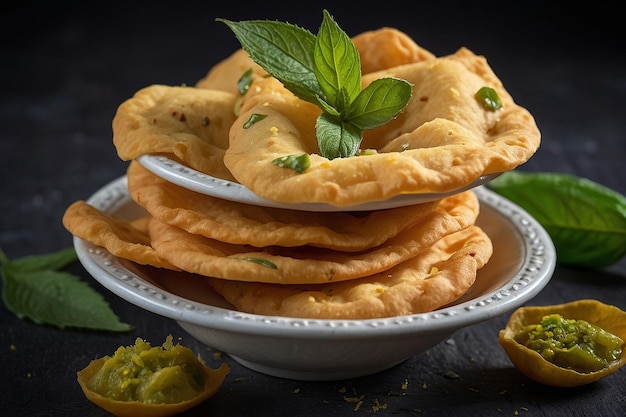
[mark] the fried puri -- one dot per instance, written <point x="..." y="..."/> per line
<point x="240" y="223"/>
<point x="124" y="239"/>
<point x="428" y="281"/>
<point x="165" y="245"/>
<point x="443" y="141"/>
<point x="186" y="124"/>
<point x="330" y="265"/>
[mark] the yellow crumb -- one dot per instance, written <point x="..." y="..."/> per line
<point x="405" y="385"/>
<point x="379" y="406"/>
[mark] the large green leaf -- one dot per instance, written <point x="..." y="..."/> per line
<point x="586" y="221"/>
<point x="34" y="288"/>
<point x="283" y="50"/>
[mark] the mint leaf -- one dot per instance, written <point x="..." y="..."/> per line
<point x="379" y="102"/>
<point x="337" y="65"/>
<point x="56" y="260"/>
<point x="335" y="137"/>
<point x="586" y="221"/>
<point x="283" y="50"/>
<point x="324" y="69"/>
<point x="35" y="289"/>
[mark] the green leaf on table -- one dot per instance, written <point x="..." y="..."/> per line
<point x="36" y="289"/>
<point x="55" y="261"/>
<point x="586" y="221"/>
<point x="324" y="69"/>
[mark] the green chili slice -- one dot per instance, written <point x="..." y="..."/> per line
<point x="298" y="163"/>
<point x="255" y="117"/>
<point x="261" y="261"/>
<point x="488" y="97"/>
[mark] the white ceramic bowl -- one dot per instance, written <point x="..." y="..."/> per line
<point x="200" y="182"/>
<point x="523" y="261"/>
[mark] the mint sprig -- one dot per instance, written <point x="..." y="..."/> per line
<point x="324" y="69"/>
<point x="34" y="287"/>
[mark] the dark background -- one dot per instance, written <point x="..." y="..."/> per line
<point x="64" y="69"/>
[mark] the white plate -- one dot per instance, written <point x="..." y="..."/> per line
<point x="191" y="179"/>
<point x="523" y="261"/>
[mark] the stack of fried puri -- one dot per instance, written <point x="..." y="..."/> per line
<point x="328" y="265"/>
<point x="281" y="262"/>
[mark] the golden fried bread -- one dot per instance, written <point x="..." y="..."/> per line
<point x="239" y="223"/>
<point x="306" y="264"/>
<point x="330" y="265"/>
<point x="444" y="140"/>
<point x="386" y="48"/>
<point x="225" y="75"/>
<point x="187" y="124"/>
<point x="124" y="239"/>
<point x="430" y="280"/>
<point x="168" y="246"/>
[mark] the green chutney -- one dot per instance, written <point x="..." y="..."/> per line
<point x="153" y="375"/>
<point x="572" y="344"/>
